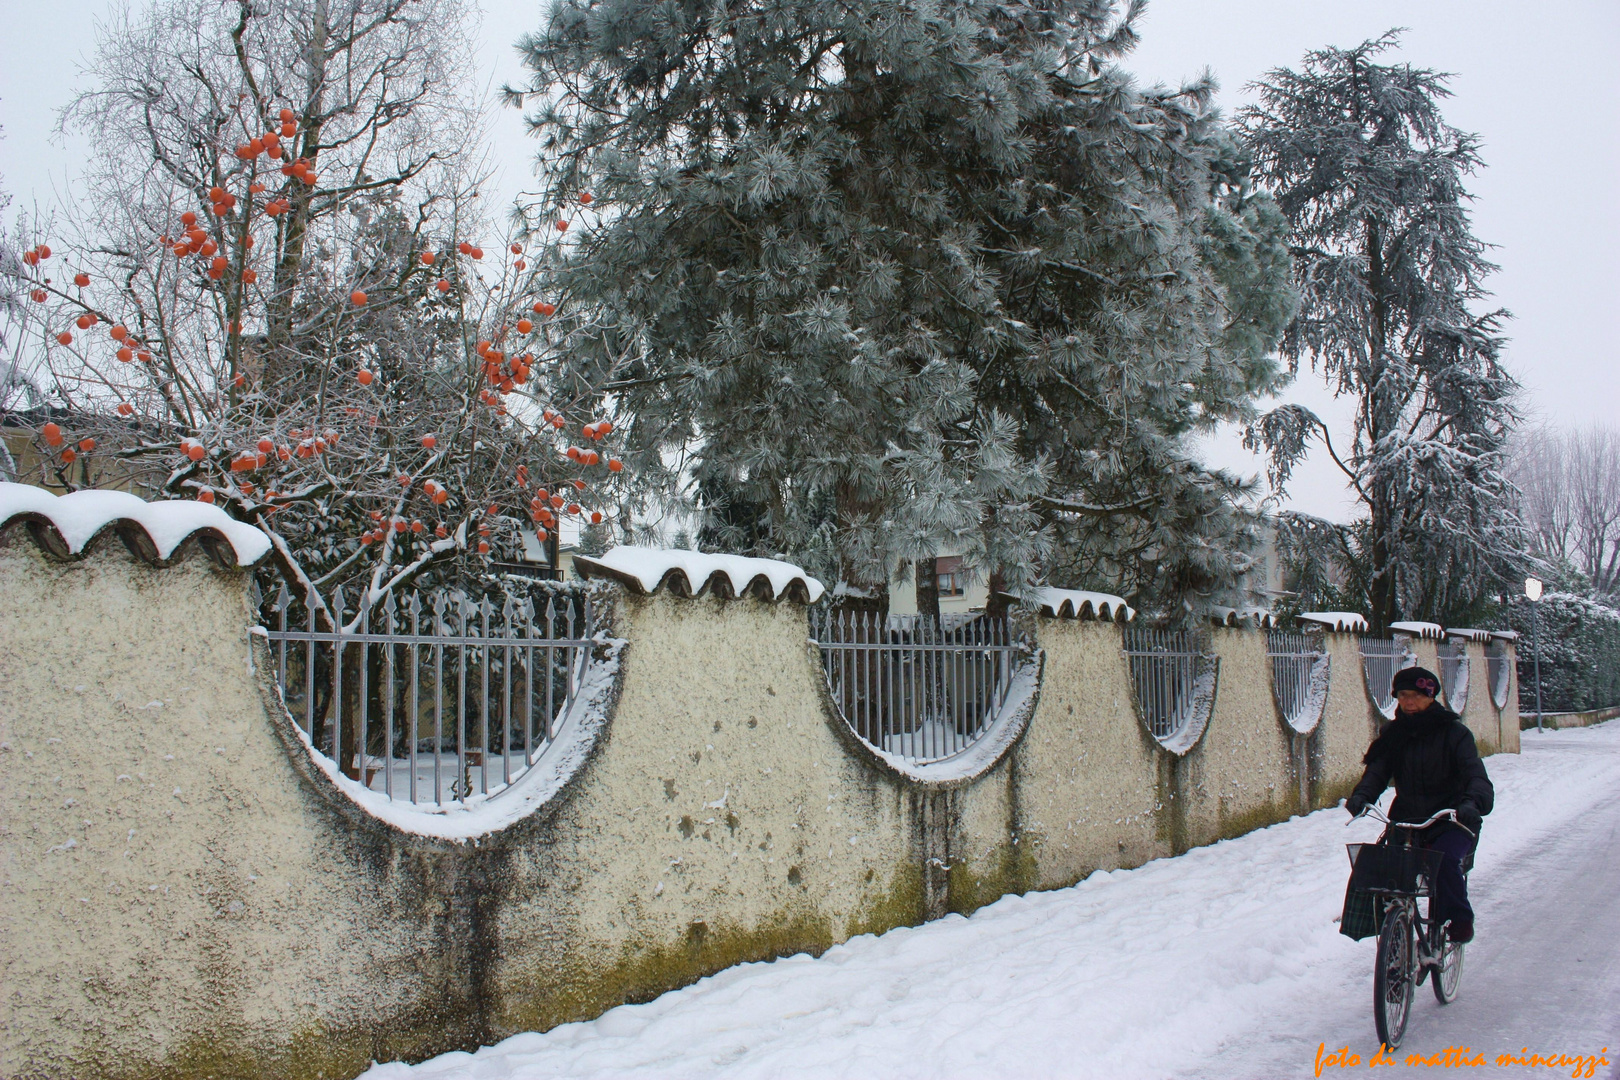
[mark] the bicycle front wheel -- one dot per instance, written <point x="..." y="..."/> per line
<point x="1449" y="975"/>
<point x="1392" y="978"/>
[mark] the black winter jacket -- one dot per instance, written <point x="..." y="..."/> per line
<point x="1432" y="760"/>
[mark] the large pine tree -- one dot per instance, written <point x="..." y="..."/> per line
<point x="907" y="278"/>
<point x="1388" y="270"/>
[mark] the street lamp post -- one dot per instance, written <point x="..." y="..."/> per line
<point x="1532" y="589"/>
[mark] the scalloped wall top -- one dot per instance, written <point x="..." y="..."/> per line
<point x="78" y="517"/>
<point x="1343" y="622"/>
<point x="646" y="569"/>
<point x="1081" y="604"/>
<point x="1418" y="629"/>
<point x="1470" y="635"/>
<point x="1236" y="617"/>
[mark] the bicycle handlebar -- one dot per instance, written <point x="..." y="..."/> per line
<point x="1376" y="814"/>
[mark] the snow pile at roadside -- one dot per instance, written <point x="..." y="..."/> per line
<point x="646" y="567"/>
<point x="82" y="514"/>
<point x="1139" y="973"/>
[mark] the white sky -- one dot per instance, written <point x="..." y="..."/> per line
<point x="1539" y="84"/>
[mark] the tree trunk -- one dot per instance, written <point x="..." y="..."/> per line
<point x="927" y="588"/>
<point x="289" y="266"/>
<point x="349" y="754"/>
<point x="868" y="587"/>
<point x="1381" y="417"/>
<point x="995" y="605"/>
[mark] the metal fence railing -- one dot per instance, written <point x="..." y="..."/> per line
<point x="1166" y="666"/>
<point x="1299" y="676"/>
<point x="1381" y="658"/>
<point x="1498" y="672"/>
<point x="436" y="697"/>
<point x="1453" y="654"/>
<point x="922" y="688"/>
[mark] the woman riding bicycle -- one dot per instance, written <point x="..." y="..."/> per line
<point x="1430" y="756"/>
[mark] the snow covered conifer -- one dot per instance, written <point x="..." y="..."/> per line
<point x="1388" y="269"/>
<point x="901" y="280"/>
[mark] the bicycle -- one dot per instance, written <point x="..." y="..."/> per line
<point x="1411" y="945"/>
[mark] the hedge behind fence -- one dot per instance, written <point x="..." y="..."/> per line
<point x="1580" y="653"/>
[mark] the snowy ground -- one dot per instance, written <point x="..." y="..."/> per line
<point x="1224" y="962"/>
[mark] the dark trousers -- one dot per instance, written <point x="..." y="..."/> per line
<point x="1450" y="897"/>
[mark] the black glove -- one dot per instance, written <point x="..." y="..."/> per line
<point x="1355" y="804"/>
<point x="1468" y="816"/>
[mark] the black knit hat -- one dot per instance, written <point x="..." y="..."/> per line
<point x="1422" y="680"/>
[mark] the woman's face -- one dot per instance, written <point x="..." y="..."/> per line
<point x="1413" y="701"/>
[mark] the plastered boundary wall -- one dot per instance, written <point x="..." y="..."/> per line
<point x="182" y="894"/>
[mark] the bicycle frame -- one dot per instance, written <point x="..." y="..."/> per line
<point x="1411" y="944"/>
<point x="1425" y="927"/>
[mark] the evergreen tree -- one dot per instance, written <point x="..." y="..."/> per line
<point x="1388" y="269"/>
<point x="917" y="278"/>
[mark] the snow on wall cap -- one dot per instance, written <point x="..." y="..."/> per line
<point x="691" y="573"/>
<point x="1505" y="635"/>
<point x="76" y="519"/>
<point x="1420" y="629"/>
<point x="1080" y="604"/>
<point x="1231" y="616"/>
<point x="1470" y="635"/>
<point x="1343" y="622"/>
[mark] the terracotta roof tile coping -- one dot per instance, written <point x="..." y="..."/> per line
<point x="65" y="525"/>
<point x="1081" y="604"/>
<point x="692" y="573"/>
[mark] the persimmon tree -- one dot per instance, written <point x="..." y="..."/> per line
<point x="270" y="294"/>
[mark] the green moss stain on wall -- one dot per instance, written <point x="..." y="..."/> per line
<point x="987" y="852"/>
<point x="313" y="1053"/>
<point x="901" y="904"/>
<point x="1011" y="868"/>
<point x="1329" y="792"/>
<point x="1231" y="825"/>
<point x="1170" y="828"/>
<point x="584" y="983"/>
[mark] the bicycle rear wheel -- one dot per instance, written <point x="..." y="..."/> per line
<point x="1449" y="974"/>
<point x="1392" y="978"/>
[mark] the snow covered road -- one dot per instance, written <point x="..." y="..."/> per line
<point x="1224" y="962"/>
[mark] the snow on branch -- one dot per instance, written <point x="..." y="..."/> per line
<point x="80" y="516"/>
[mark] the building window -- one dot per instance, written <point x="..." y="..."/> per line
<point x="949" y="577"/>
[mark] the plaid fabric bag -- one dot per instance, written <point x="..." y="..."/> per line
<point x="1385" y="867"/>
<point x="1363" y="912"/>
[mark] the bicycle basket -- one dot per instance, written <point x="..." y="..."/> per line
<point x="1391" y="868"/>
